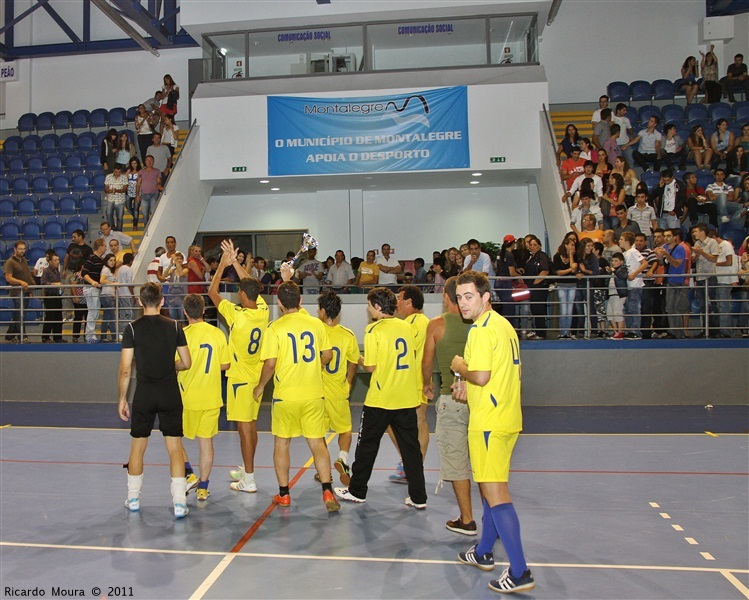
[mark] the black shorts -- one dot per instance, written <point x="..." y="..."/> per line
<point x="151" y="400"/>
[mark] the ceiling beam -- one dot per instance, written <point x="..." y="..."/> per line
<point x="144" y="19"/>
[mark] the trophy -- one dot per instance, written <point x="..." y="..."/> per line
<point x="307" y="242"/>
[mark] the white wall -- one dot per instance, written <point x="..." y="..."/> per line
<point x="592" y="43"/>
<point x="414" y="222"/>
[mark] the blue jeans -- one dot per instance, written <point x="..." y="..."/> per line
<point x="107" y="320"/>
<point x="566" y="293"/>
<point x="115" y="215"/>
<point x="131" y="204"/>
<point x="147" y="206"/>
<point x="723" y="304"/>
<point x="632" y="310"/>
<point x="93" y="303"/>
<point x="126" y="312"/>
<point x="732" y="210"/>
<point x="669" y="222"/>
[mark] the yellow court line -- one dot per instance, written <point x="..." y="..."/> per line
<point x="4" y="426"/>
<point x="739" y="586"/>
<point x="420" y="561"/>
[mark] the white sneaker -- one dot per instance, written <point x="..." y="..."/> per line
<point x="133" y="504"/>
<point x="236" y="474"/>
<point x="344" y="494"/>
<point x="180" y="511"/>
<point x="241" y="486"/>
<point x="725" y="219"/>
<point x="410" y="502"/>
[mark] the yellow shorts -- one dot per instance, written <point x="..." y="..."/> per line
<point x="201" y="423"/>
<point x="292" y="418"/>
<point x="240" y="405"/>
<point x="337" y="415"/>
<point x="491" y="452"/>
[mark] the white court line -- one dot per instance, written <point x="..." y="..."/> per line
<point x="214" y="575"/>
<point x="739" y="586"/>
<point x="372" y="559"/>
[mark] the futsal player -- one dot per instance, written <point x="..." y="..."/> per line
<point x="200" y="385"/>
<point x="392" y="400"/>
<point x="247" y="323"/>
<point x="338" y="377"/>
<point x="490" y="369"/>
<point x="295" y="350"/>
<point x="152" y="340"/>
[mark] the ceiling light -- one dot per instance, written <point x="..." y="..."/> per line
<point x="274" y="189"/>
<point x="476" y="174"/>
<point x="265" y="181"/>
<point x="475" y="182"/>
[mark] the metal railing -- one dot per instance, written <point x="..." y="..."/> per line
<point x="561" y="306"/>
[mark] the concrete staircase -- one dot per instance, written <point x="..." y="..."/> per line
<point x="579" y="118"/>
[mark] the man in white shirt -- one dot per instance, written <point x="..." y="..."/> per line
<point x="478" y="260"/>
<point x="724" y="196"/>
<point x="644" y="215"/>
<point x="650" y="146"/>
<point x="636" y="265"/>
<point x="340" y="275"/>
<point x="625" y="131"/>
<point x="588" y="173"/>
<point x="705" y="253"/>
<point x="153" y="267"/>
<point x="389" y="267"/>
<point x="586" y="208"/>
<point x="726" y="269"/>
<point x="603" y="102"/>
<point x="310" y="273"/>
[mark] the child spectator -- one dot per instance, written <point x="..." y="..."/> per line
<point x="617" y="295"/>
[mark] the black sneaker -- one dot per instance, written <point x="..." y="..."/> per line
<point x="459" y="527"/>
<point x="507" y="584"/>
<point x="632" y="336"/>
<point x="469" y="557"/>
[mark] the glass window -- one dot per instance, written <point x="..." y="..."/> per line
<point x="229" y="55"/>
<point x="428" y="43"/>
<point x="513" y="40"/>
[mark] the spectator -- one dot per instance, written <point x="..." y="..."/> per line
<point x="622" y="167"/>
<point x="169" y="96"/>
<point x="132" y="203"/>
<point x="162" y="158"/>
<point x="115" y="187"/>
<point x="588" y="173"/>
<point x="690" y="72"/>
<point x="603" y="166"/>
<point x="674" y="149"/>
<point x="613" y="197"/>
<point x="125" y="149"/>
<point x="737" y="164"/>
<point x="609" y="245"/>
<point x="585" y="208"/>
<point x="624" y="224"/>
<point x="603" y="104"/>
<point x="600" y="293"/>
<point x="566" y="267"/>
<point x="170" y="133"/>
<point x="107" y="298"/>
<point x="636" y="265"/>
<point x="587" y="150"/>
<point x="506" y="267"/>
<point x="125" y="292"/>
<point x="147" y="189"/>
<point x="617" y="295"/>
<point x="570" y="140"/>
<point x="52" y="279"/>
<point x="152" y="274"/>
<point x="78" y="242"/>
<point x="590" y="229"/>
<point x="369" y="271"/>
<point x="625" y="132"/>
<point x="41" y="263"/>
<point x="108" y="154"/>
<point x="649" y="291"/>
<point x="341" y="275"/>
<point x="644" y="215"/>
<point x="676" y="260"/>
<point x="698" y="202"/>
<point x="196" y="270"/>
<point x="721" y="143"/>
<point x="309" y="273"/>
<point x="108" y="234"/>
<point x="91" y="276"/>
<point x="710" y="84"/>
<point x="262" y="269"/>
<point x="736" y="79"/>
<point x="650" y="145"/>
<point x="535" y="270"/>
<point x="420" y="276"/>
<point x="389" y="267"/>
<point x="611" y="146"/>
<point x="669" y="200"/>
<point x="699" y="147"/>
<point x="438" y="276"/>
<point x="478" y="260"/>
<point x="176" y="275"/>
<point x="153" y="104"/>
<point x="705" y="253"/>
<point x="602" y="129"/>
<point x="726" y="270"/>
<point x="451" y="262"/>
<point x="572" y="167"/>
<point x="588" y="268"/>
<point x="143" y="130"/>
<point x="724" y="196"/>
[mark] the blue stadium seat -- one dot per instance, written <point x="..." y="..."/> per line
<point x="76" y="222"/>
<point x="35" y="165"/>
<point x="99" y="118"/>
<point x="640" y="91"/>
<point x="4" y="186"/>
<point x="130" y="115"/>
<point x="3" y="166"/>
<point x="68" y="142"/>
<point x="81" y="183"/>
<point x="733" y="233"/>
<point x="651" y="179"/>
<point x="53" y="164"/>
<point x="720" y="110"/>
<point x="45" y="121"/>
<point x="99" y="182"/>
<point x="89" y="205"/>
<point x="63" y="120"/>
<point x="50" y="144"/>
<point x="87" y="142"/>
<point x="100" y="138"/>
<point x="61" y="184"/>
<point x="30" y="144"/>
<point x="617" y="91"/>
<point x="92" y="162"/>
<point x="20" y="186"/>
<point x="33" y="311"/>
<point x="663" y="89"/>
<point x="741" y="111"/>
<point x="117" y="117"/>
<point x="47" y="205"/>
<point x="27" y="123"/>
<point x="81" y="119"/>
<point x="704" y="178"/>
<point x="73" y="164"/>
<point x="27" y="206"/>
<point x="40" y="185"/>
<point x="16" y="166"/>
<point x="54" y="228"/>
<point x="696" y="114"/>
<point x="7" y="206"/>
<point x="61" y="247"/>
<point x="67" y="205"/>
<point x="35" y="251"/>
<point x="94" y="197"/>
<point x="32" y="228"/>
<point x="12" y="145"/>
<point x="10" y="229"/>
<point x="672" y="113"/>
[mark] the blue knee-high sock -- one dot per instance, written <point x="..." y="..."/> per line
<point x="508" y="525"/>
<point x="488" y="532"/>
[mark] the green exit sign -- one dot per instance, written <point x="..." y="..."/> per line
<point x="496" y="159"/>
<point x="238" y="169"/>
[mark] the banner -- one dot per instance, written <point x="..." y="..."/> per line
<point x="420" y="131"/>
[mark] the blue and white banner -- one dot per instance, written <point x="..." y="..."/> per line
<point x="403" y="132"/>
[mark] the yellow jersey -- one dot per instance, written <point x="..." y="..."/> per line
<point x="296" y="340"/>
<point x="345" y="351"/>
<point x="419" y="322"/>
<point x="493" y="346"/>
<point x="389" y="347"/>
<point x="246" y="329"/>
<point x="200" y="385"/>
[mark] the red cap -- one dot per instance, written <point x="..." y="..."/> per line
<point x="509" y="239"/>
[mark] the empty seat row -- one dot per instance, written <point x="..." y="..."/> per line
<point x="57" y="184"/>
<point x="88" y="203"/>
<point x="644" y="91"/>
<point x="693" y="114"/>
<point x="11" y="168"/>
<point x="52" y="143"/>
<point x="36" y="228"/>
<point x="80" y="119"/>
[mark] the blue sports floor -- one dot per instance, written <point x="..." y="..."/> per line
<point x="636" y="514"/>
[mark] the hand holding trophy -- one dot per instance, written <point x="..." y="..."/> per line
<point x="287" y="268"/>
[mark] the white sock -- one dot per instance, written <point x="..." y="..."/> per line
<point x="134" y="484"/>
<point x="343" y="455"/>
<point x="249" y="478"/>
<point x="179" y="490"/>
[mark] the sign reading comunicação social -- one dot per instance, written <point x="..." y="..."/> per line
<point x="419" y="131"/>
